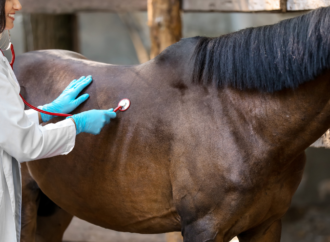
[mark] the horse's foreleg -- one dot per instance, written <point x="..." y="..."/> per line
<point x="202" y="230"/>
<point x="264" y="233"/>
<point x="51" y="228"/>
<point x="30" y="203"/>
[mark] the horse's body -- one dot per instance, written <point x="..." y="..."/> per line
<point x="211" y="162"/>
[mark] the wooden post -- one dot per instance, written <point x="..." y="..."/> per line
<point x="164" y="20"/>
<point x="51" y="31"/>
<point x="132" y="23"/>
<point x="283" y="4"/>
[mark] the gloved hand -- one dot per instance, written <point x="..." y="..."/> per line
<point x="92" y="121"/>
<point x="67" y="101"/>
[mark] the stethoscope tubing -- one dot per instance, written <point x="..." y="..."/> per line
<point x="119" y="108"/>
<point x="45" y="112"/>
<point x="26" y="103"/>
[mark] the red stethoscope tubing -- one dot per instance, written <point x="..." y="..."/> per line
<point x="33" y="107"/>
<point x="117" y="109"/>
<point x="45" y="112"/>
<point x="13" y="56"/>
<point x="26" y="103"/>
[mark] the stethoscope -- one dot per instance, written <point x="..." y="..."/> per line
<point x="123" y="105"/>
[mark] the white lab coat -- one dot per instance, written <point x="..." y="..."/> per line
<point x="22" y="139"/>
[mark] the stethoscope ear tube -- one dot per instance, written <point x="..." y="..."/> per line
<point x="42" y="111"/>
<point x="13" y="57"/>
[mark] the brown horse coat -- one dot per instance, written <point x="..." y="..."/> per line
<point x="211" y="162"/>
<point x="184" y="156"/>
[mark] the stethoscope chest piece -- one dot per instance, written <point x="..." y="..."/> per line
<point x="123" y="105"/>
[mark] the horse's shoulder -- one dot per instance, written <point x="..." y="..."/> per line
<point x="178" y="52"/>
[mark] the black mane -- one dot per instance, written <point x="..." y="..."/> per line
<point x="268" y="58"/>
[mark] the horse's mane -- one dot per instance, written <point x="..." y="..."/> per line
<point x="268" y="58"/>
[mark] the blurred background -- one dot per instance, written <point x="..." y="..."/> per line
<point x="126" y="38"/>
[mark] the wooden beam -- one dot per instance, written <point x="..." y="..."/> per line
<point x="73" y="6"/>
<point x="252" y="6"/>
<point x="231" y="5"/>
<point x="164" y="20"/>
<point x="298" y="5"/>
<point x="133" y="25"/>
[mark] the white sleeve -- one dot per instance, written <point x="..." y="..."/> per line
<point x="32" y="115"/>
<point x="25" y="139"/>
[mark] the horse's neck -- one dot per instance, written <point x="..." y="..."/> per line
<point x="289" y="120"/>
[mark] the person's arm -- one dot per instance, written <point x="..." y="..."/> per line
<point x="67" y="101"/>
<point x="34" y="116"/>
<point x="24" y="139"/>
<point x="75" y="125"/>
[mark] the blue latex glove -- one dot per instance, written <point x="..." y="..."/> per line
<point x="92" y="121"/>
<point x="67" y="101"/>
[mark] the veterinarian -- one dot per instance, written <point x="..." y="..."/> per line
<point x="22" y="139"/>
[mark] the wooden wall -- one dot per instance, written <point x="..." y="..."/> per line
<point x="230" y="6"/>
<point x="252" y="5"/>
<point x="294" y="5"/>
<point x="73" y="6"/>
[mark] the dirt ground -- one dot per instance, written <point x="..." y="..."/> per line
<point x="307" y="224"/>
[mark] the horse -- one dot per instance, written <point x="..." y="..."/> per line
<point x="212" y="146"/>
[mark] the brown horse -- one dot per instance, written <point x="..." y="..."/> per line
<point x="213" y="144"/>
